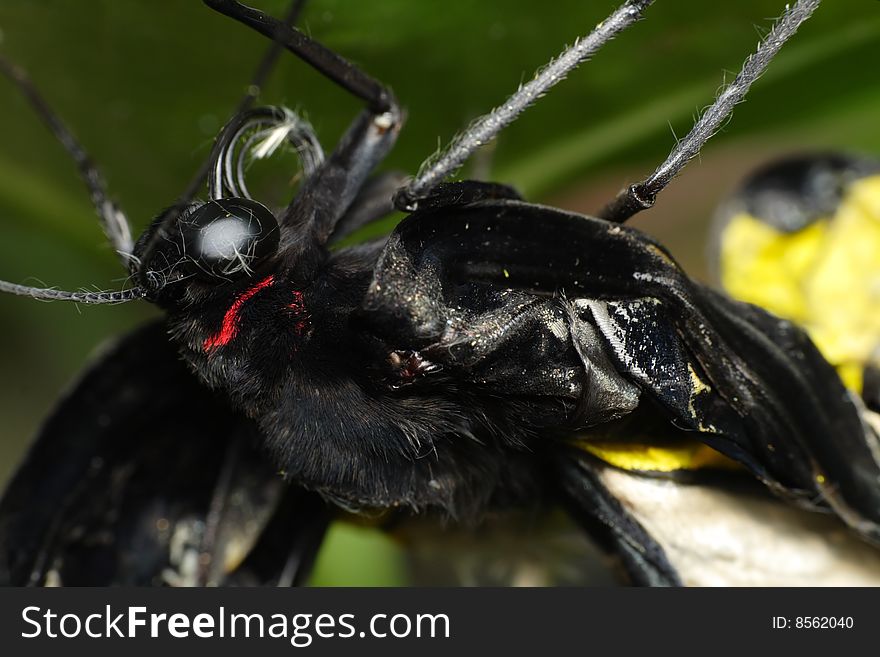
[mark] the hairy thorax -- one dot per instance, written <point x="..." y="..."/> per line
<point x="363" y="434"/>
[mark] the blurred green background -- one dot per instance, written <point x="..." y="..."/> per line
<point x="146" y="84"/>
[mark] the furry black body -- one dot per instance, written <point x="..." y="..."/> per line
<point x="331" y="406"/>
<point x="456" y="368"/>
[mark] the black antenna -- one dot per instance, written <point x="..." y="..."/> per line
<point x="642" y="195"/>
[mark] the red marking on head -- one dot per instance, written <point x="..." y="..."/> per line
<point x="232" y="319"/>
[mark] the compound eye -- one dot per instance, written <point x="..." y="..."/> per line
<point x="229" y="238"/>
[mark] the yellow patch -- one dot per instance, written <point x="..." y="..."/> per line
<point x="825" y="277"/>
<point x="641" y="457"/>
<point x="767" y="267"/>
<point x="852" y="375"/>
<point x="699" y="386"/>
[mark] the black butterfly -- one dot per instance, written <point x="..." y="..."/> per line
<point x="479" y="359"/>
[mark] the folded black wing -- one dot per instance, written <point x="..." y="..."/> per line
<point x="745" y="382"/>
<point x="141" y="476"/>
